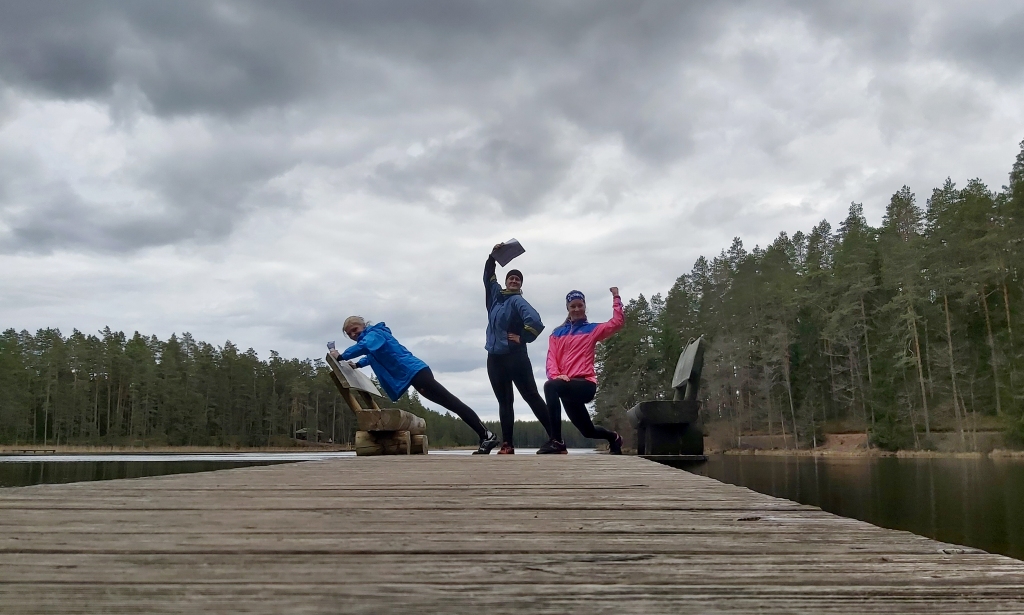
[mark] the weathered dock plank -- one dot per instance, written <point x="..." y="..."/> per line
<point x="454" y="534"/>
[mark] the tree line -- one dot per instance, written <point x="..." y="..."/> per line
<point x="111" y="389"/>
<point x="903" y="330"/>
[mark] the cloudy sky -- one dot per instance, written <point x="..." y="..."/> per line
<point x="257" y="171"/>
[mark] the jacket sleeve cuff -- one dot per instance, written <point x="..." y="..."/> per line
<point x="529" y="334"/>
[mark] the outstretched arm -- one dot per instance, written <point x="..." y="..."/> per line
<point x="360" y="363"/>
<point x="607" y="329"/>
<point x="373" y="340"/>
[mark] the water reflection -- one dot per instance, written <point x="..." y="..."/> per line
<point x="974" y="502"/>
<point x="24" y="470"/>
<point x="235" y="457"/>
<point x="38" y="472"/>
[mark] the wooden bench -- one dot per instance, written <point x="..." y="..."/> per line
<point x="673" y="428"/>
<point x="382" y="431"/>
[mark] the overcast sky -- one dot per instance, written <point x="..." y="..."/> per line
<point x="256" y="172"/>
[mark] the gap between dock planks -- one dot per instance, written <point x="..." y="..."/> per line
<point x="468" y="534"/>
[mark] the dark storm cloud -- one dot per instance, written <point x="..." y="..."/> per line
<point x="194" y="191"/>
<point x="984" y="35"/>
<point x="57" y="217"/>
<point x="231" y="57"/>
<point x="503" y="98"/>
<point x="184" y="57"/>
<point x="874" y="29"/>
<point x="216" y="183"/>
<point x="520" y="73"/>
<point x="507" y="168"/>
<point x="991" y="41"/>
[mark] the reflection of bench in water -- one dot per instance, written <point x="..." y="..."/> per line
<point x="382" y="431"/>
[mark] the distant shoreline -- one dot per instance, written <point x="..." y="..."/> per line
<point x="873" y="452"/>
<point x="62" y="449"/>
<point x="822" y="452"/>
<point x="856" y="444"/>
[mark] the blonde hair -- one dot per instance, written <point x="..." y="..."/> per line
<point x="353" y="320"/>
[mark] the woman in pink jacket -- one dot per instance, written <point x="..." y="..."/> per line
<point x="572" y="381"/>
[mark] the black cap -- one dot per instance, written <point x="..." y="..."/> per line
<point x="514" y="272"/>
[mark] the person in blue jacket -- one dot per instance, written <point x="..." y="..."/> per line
<point x="396" y="369"/>
<point x="512" y="323"/>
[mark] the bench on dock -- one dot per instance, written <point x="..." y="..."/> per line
<point x="34" y="451"/>
<point x="382" y="431"/>
<point x="673" y="428"/>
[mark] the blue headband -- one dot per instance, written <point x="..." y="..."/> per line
<point x="573" y="295"/>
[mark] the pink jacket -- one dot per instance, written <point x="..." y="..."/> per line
<point x="571" y="346"/>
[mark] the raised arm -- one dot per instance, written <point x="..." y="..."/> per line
<point x="491" y="287"/>
<point x="607" y="329"/>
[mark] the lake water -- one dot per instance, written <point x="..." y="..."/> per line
<point x="972" y="502"/>
<point x="24" y="470"/>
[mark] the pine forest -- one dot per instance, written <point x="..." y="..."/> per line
<point x="903" y="331"/>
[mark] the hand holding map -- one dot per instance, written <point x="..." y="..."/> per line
<point x="504" y="252"/>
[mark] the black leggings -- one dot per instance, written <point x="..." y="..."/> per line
<point x="505" y="369"/>
<point x="424" y="382"/>
<point x="574" y="394"/>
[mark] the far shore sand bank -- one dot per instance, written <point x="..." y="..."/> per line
<point x="940" y="444"/>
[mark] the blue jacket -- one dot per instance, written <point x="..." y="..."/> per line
<point x="392" y="362"/>
<point x="507" y="312"/>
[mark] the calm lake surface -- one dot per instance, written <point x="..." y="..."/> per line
<point x="972" y="502"/>
<point x="24" y="470"/>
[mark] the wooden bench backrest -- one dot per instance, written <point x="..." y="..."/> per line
<point x="353" y="385"/>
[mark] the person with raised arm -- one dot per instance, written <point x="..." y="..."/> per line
<point x="512" y="323"/>
<point x="397" y="369"/>
<point x="572" y="381"/>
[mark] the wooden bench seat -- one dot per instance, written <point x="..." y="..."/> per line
<point x="382" y="431"/>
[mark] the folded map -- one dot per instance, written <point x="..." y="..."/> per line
<point x="508" y="250"/>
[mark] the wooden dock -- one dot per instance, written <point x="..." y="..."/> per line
<point x="462" y="534"/>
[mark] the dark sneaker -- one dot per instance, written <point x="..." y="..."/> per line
<point x="487" y="444"/>
<point x="553" y="447"/>
<point x="507" y="449"/>
<point x="615" y="446"/>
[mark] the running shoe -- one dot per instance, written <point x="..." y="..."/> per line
<point x="615" y="447"/>
<point x="553" y="447"/>
<point x="489" y="442"/>
<point x="507" y="449"/>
